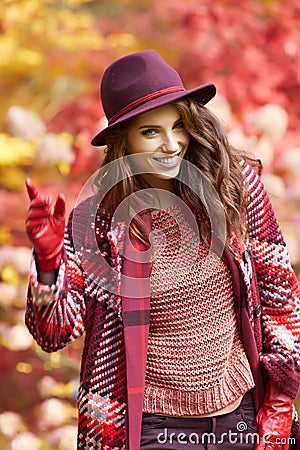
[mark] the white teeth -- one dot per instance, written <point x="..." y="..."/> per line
<point x="167" y="160"/>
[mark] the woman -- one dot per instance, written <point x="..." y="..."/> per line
<point x="178" y="274"/>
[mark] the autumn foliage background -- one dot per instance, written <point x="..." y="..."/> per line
<point x="52" y="56"/>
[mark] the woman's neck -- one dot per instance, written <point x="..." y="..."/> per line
<point x="159" y="183"/>
<point x="163" y="195"/>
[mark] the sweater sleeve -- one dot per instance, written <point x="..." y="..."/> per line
<point x="278" y="289"/>
<point x="55" y="314"/>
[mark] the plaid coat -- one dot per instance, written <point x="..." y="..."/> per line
<point x="93" y="296"/>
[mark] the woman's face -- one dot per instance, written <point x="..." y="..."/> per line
<point x="160" y="141"/>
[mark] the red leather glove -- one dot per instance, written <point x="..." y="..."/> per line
<point x="45" y="228"/>
<point x="274" y="420"/>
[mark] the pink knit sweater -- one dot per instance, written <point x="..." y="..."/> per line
<point x="196" y="363"/>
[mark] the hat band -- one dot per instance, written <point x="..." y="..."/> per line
<point x="145" y="99"/>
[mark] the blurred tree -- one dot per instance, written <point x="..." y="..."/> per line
<point x="250" y="49"/>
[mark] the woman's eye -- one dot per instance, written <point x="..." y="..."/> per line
<point x="179" y="124"/>
<point x="149" y="132"/>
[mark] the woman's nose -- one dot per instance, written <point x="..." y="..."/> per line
<point x="170" y="144"/>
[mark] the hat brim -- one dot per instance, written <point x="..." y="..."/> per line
<point x="202" y="94"/>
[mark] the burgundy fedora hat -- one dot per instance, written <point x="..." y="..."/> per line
<point x="139" y="82"/>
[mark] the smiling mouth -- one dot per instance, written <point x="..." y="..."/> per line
<point x="169" y="160"/>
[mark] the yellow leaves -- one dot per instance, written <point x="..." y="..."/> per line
<point x="23" y="367"/>
<point x="64" y="389"/>
<point x="31" y="141"/>
<point x="10" y="275"/>
<point x="27" y="57"/>
<point x="91" y="40"/>
<point x="58" y="26"/>
<point x="7" y="48"/>
<point x="31" y="145"/>
<point x="14" y="151"/>
<point x="42" y="41"/>
<point x="123" y="39"/>
<point x="12" y="178"/>
<point x="21" y="10"/>
<point x="53" y="362"/>
<point x="66" y="137"/>
<point x="5" y="236"/>
<point x="16" y="59"/>
<point x="64" y="168"/>
<point x="77" y="31"/>
<point x="50" y="387"/>
<point x="75" y="3"/>
<point x="74" y="22"/>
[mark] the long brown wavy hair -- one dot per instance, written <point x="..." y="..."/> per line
<point x="210" y="152"/>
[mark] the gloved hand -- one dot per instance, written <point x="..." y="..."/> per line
<point x="274" y="420"/>
<point x="45" y="228"/>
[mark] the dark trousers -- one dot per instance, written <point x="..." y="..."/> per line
<point x="234" y="430"/>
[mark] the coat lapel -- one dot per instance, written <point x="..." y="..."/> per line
<point x="135" y="295"/>
<point x="238" y="263"/>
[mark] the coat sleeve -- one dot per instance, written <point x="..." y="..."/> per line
<point x="278" y="288"/>
<point x="55" y="314"/>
